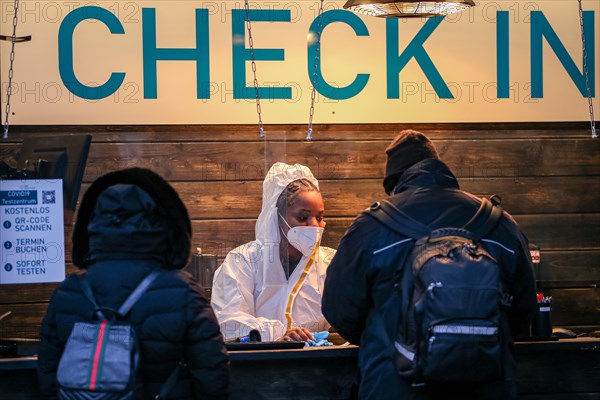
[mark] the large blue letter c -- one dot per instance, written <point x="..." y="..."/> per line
<point x="65" y="52"/>
<point x="317" y="80"/>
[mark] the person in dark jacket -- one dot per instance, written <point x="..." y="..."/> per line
<point x="130" y="223"/>
<point x="359" y="300"/>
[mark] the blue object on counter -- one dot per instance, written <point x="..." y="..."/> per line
<point x="253" y="336"/>
<point x="320" y="340"/>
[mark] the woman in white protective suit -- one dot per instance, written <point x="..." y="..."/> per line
<point x="274" y="283"/>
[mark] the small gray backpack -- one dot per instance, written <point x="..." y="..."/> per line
<point x="101" y="357"/>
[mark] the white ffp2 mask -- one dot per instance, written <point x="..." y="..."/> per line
<point x="303" y="238"/>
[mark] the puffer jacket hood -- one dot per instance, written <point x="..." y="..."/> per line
<point x="132" y="214"/>
<point x="426" y="173"/>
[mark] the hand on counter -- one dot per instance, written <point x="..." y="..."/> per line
<point x="296" y="335"/>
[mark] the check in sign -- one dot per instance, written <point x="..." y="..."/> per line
<point x="32" y="231"/>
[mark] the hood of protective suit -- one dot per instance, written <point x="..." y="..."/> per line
<point x="279" y="176"/>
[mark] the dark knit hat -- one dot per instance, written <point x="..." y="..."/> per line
<point x="169" y="208"/>
<point x="407" y="149"/>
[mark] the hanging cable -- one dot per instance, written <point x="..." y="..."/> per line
<point x="253" y="61"/>
<point x="315" y="70"/>
<point x="586" y="73"/>
<point x="10" y="69"/>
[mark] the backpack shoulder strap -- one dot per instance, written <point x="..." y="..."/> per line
<point x="398" y="221"/>
<point x="137" y="293"/>
<point x="481" y="224"/>
<point x="485" y="219"/>
<point x="127" y="305"/>
<point x="87" y="290"/>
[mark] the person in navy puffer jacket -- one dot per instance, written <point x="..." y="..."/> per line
<point x="361" y="299"/>
<point x="132" y="222"/>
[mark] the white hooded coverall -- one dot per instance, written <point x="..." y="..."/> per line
<point x="250" y="290"/>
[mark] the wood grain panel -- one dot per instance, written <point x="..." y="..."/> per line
<point x="558" y="232"/>
<point x="559" y="269"/>
<point x="24" y="321"/>
<point x="575" y="306"/>
<point x="349" y="197"/>
<point x="569" y="269"/>
<point x="564" y="231"/>
<point x="241" y="133"/>
<point x="193" y="161"/>
<point x="237" y="161"/>
<point x="9" y="153"/>
<point x="26" y="293"/>
<point x="199" y="161"/>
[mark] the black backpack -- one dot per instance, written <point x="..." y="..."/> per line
<point x="101" y="357"/>
<point x="452" y="325"/>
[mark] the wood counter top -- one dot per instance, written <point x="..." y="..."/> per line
<point x="560" y="369"/>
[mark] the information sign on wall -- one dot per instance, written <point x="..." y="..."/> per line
<point x="32" y="227"/>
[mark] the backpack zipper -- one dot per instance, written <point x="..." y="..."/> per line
<point x="430" y="344"/>
<point x="432" y="286"/>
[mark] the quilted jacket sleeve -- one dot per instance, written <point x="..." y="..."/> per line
<point x="206" y="355"/>
<point x="49" y="353"/>
<point x="346" y="295"/>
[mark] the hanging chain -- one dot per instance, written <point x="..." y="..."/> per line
<point x="586" y="74"/>
<point x="251" y="43"/>
<point x="315" y="70"/>
<point x="10" y="70"/>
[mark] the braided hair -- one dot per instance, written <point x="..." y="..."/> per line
<point x="291" y="192"/>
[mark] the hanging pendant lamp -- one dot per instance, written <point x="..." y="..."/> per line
<point x="407" y="8"/>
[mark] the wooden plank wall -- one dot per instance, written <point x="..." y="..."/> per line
<point x="546" y="174"/>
